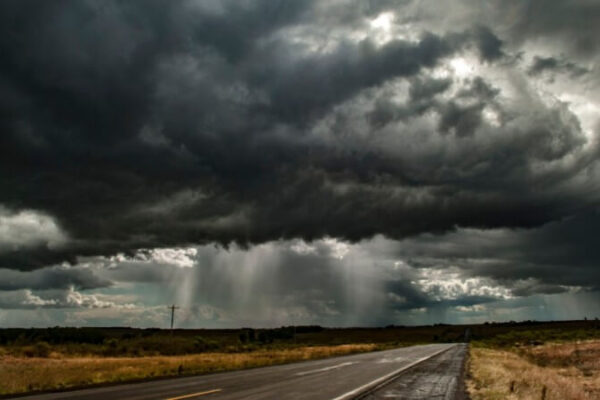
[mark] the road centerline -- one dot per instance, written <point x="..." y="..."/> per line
<point x="198" y="394"/>
<point x="314" y="371"/>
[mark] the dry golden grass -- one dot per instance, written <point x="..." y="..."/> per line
<point x="567" y="371"/>
<point x="28" y="374"/>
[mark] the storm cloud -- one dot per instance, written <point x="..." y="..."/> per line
<point x="465" y="134"/>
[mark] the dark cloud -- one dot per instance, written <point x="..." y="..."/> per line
<point x="569" y="22"/>
<point x="164" y="124"/>
<point x="421" y="89"/>
<point x="318" y="83"/>
<point x="461" y="121"/>
<point x="488" y="44"/>
<point x="555" y="258"/>
<point x="551" y="64"/>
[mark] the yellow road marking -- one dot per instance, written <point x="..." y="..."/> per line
<point x="187" y="396"/>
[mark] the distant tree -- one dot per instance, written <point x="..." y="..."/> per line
<point x="202" y="344"/>
<point x="247" y="335"/>
<point x="42" y="349"/>
<point x="265" y="337"/>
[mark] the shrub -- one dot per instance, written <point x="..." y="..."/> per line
<point x="265" y="337"/>
<point x="110" y="347"/>
<point x="201" y="344"/>
<point x="247" y="335"/>
<point x="42" y="349"/>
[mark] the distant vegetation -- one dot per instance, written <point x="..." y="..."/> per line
<point x="530" y="360"/>
<point x="533" y="333"/>
<point x="129" y="342"/>
<point x="52" y="358"/>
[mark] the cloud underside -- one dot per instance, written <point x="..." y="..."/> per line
<point x="328" y="282"/>
<point x="464" y="133"/>
<point x="204" y="122"/>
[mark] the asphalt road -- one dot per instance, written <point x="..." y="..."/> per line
<point x="338" y="378"/>
<point x="439" y="378"/>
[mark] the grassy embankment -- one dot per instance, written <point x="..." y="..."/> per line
<point x="536" y="365"/>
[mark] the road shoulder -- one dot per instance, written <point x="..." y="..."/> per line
<point x="441" y="377"/>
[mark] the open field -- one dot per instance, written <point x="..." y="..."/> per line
<point x="55" y="358"/>
<point x="553" y="371"/>
<point x="32" y="374"/>
<point x="340" y="378"/>
<point x="127" y="342"/>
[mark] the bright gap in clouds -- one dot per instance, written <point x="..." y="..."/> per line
<point x="462" y="68"/>
<point x="381" y="27"/>
<point x="383" y="21"/>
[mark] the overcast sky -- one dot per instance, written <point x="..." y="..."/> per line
<point x="271" y="162"/>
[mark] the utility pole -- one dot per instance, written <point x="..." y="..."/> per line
<point x="173" y="308"/>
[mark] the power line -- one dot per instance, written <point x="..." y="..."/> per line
<point x="173" y="308"/>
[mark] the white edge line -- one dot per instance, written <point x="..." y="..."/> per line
<point x="379" y="380"/>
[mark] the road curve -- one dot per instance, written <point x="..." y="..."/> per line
<point x="338" y="378"/>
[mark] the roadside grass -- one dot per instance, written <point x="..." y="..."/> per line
<point x="64" y="357"/>
<point x="59" y="358"/>
<point x="25" y="374"/>
<point x="554" y="371"/>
